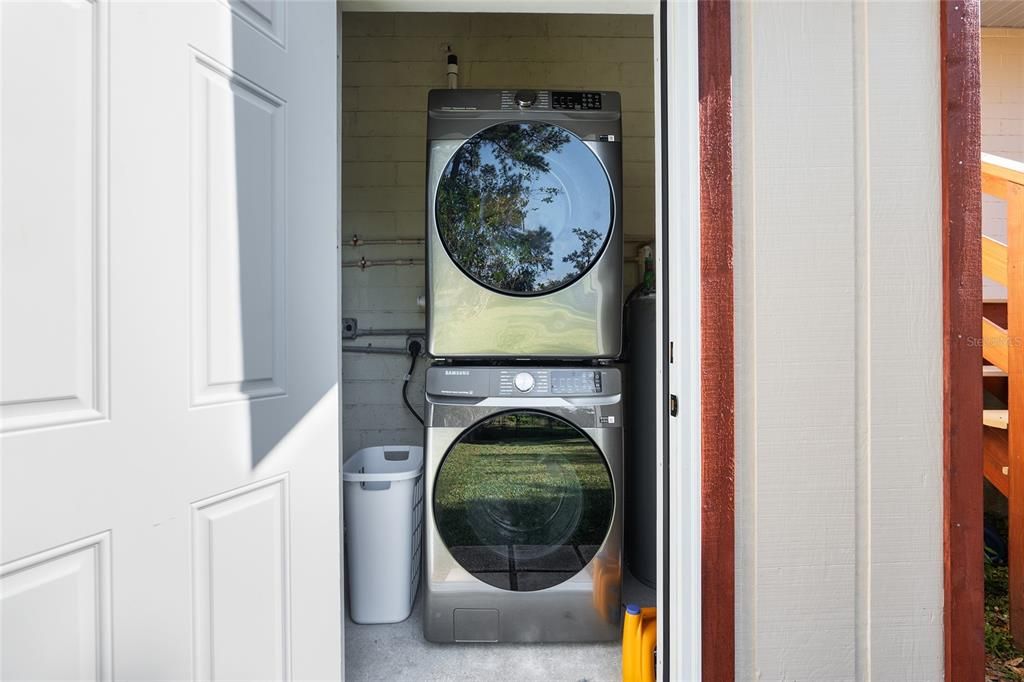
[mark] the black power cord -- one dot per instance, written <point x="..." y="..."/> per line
<point x="414" y="351"/>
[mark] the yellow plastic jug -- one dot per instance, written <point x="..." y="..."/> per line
<point x="639" y="638"/>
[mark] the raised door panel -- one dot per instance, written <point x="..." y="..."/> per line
<point x="55" y="613"/>
<point x="238" y="237"/>
<point x="266" y="16"/>
<point x="240" y="548"/>
<point x="53" y="354"/>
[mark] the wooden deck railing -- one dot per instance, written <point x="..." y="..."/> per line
<point x="1004" y="348"/>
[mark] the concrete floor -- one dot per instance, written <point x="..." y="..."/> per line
<point x="397" y="652"/>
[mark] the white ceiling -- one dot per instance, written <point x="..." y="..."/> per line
<point x="1002" y="13"/>
<point x="531" y="6"/>
<point x="994" y="13"/>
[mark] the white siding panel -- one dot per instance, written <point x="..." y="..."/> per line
<point x="901" y="459"/>
<point x="838" y="282"/>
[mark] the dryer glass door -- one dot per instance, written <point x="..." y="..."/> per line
<point x="523" y="500"/>
<point x="524" y="208"/>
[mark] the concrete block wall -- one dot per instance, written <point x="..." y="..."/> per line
<point x="1002" y="118"/>
<point x="389" y="63"/>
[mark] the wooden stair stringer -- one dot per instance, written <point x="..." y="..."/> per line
<point x="996" y="450"/>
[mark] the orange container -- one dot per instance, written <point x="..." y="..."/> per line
<point x="607" y="579"/>
<point x="639" y="638"/>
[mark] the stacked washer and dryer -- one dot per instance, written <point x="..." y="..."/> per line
<point x="523" y="410"/>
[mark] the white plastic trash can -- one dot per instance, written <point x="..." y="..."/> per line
<point x="383" y="531"/>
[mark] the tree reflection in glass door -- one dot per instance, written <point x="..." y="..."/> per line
<point x="524" y="208"/>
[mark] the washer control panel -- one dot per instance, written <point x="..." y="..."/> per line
<point x="512" y="381"/>
<point x="576" y="101"/>
<point x="522" y="382"/>
<point x="552" y="381"/>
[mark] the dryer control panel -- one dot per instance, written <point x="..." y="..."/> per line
<point x="523" y="382"/>
<point x="576" y="101"/>
<point x="596" y="103"/>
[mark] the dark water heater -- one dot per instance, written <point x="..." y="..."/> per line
<point x="640" y="456"/>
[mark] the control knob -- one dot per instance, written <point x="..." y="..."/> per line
<point x="526" y="98"/>
<point x="524" y="381"/>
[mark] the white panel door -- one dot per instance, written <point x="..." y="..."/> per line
<point x="168" y="353"/>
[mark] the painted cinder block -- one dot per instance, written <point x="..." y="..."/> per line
<point x="411" y="173"/>
<point x="639" y="173"/>
<point x="368" y="174"/>
<point x="575" y="74"/>
<point x="373" y="393"/>
<point x="597" y="25"/>
<point x="393" y="49"/>
<point x="392" y="98"/>
<point x="508" y="25"/>
<point x="637" y="124"/>
<point x="362" y="298"/>
<point x="638" y="73"/>
<point x="396" y="418"/>
<point x="411" y="223"/>
<point x="638" y="150"/>
<point x="349" y="98"/>
<point x="637" y="98"/>
<point x="446" y="25"/>
<point x="362" y="24"/>
<point x="432" y="73"/>
<point x="364" y="223"/>
<point x="383" y="149"/>
<point x="368" y="368"/>
<point x="386" y="124"/>
<point x="412" y="435"/>
<point x="384" y="199"/>
<point x="502" y="74"/>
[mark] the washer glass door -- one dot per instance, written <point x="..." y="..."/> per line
<point x="524" y="208"/>
<point x="523" y="500"/>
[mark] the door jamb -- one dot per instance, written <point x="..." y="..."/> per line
<point x="680" y="374"/>
<point x="677" y="214"/>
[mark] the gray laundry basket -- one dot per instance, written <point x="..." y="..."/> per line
<point x="383" y="531"/>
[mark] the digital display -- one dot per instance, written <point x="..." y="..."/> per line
<point x="581" y="101"/>
<point x="575" y="381"/>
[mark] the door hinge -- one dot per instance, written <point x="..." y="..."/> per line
<point x="673" y="405"/>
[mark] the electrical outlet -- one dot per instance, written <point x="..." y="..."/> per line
<point x="419" y="339"/>
<point x="349" y="328"/>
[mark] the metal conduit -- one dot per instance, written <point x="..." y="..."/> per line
<point x="374" y="349"/>
<point x="363" y="263"/>
<point x="356" y="240"/>
<point x="389" y="332"/>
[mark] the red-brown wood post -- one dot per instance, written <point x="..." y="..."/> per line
<point x="718" y="478"/>
<point x="960" y="28"/>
